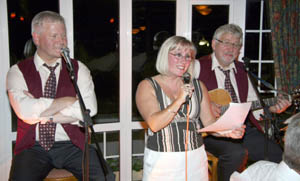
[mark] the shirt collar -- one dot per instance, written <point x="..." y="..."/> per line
<point x="38" y="62"/>
<point x="288" y="172"/>
<point x="216" y="64"/>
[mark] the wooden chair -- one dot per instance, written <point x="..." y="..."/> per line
<point x="60" y="175"/>
<point x="212" y="166"/>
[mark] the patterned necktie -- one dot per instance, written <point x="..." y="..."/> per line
<point x="228" y="86"/>
<point x="47" y="131"/>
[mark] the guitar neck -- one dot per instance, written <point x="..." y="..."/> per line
<point x="268" y="101"/>
<point x="256" y="104"/>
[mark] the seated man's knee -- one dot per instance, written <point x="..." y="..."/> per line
<point x="241" y="154"/>
<point x="238" y="154"/>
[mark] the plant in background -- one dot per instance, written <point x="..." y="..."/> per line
<point x="114" y="164"/>
<point x="137" y="164"/>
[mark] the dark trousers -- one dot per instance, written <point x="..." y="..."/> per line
<point x="34" y="164"/>
<point x="232" y="153"/>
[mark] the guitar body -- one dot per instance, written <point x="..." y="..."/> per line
<point x="223" y="98"/>
<point x="219" y="96"/>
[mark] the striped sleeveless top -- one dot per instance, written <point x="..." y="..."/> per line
<point x="172" y="137"/>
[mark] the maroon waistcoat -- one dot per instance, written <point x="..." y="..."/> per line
<point x="208" y="77"/>
<point x="26" y="132"/>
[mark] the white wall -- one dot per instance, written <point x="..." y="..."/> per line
<point x="5" y="128"/>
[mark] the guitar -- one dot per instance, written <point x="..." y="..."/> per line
<point x="222" y="97"/>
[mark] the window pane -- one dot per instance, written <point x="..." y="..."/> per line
<point x="109" y="145"/>
<point x="138" y="143"/>
<point x="96" y="45"/>
<point x="20" y="14"/>
<point x="253" y="14"/>
<point x="253" y="67"/>
<point x="205" y="20"/>
<point x="267" y="53"/>
<point x="267" y="74"/>
<point x="266" y="17"/>
<point x="153" y="22"/>
<point x="252" y="45"/>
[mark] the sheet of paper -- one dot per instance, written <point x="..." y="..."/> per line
<point x="233" y="117"/>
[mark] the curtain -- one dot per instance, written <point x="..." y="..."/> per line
<point x="285" y="26"/>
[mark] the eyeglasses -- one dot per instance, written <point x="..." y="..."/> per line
<point x="229" y="44"/>
<point x="180" y="56"/>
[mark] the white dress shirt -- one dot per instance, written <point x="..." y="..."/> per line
<point x="29" y="109"/>
<point x="220" y="76"/>
<point x="266" y="171"/>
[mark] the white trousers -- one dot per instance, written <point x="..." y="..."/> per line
<point x="170" y="166"/>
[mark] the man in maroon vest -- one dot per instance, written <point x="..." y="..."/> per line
<point x="44" y="99"/>
<point x="226" y="45"/>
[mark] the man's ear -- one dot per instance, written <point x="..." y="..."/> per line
<point x="213" y="44"/>
<point x="35" y="38"/>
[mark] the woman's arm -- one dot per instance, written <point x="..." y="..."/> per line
<point x="206" y="115"/>
<point x="148" y="106"/>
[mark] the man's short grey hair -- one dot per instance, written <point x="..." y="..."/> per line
<point x="229" y="28"/>
<point x="173" y="43"/>
<point x="45" y="16"/>
<point x="291" y="154"/>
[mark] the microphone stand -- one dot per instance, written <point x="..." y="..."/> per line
<point x="186" y="77"/>
<point x="267" y="114"/>
<point x="87" y="123"/>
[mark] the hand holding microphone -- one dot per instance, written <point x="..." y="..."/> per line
<point x="186" y="77"/>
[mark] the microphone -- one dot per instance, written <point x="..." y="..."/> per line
<point x="65" y="52"/>
<point x="246" y="62"/>
<point x="186" y="77"/>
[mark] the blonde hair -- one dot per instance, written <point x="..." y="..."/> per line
<point x="45" y="16"/>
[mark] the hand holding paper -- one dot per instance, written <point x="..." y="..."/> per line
<point x="233" y="118"/>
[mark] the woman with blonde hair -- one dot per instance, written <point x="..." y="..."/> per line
<point x="166" y="103"/>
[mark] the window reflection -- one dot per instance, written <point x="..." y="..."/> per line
<point x="205" y="20"/>
<point x="267" y="53"/>
<point x="258" y="45"/>
<point x="267" y="75"/>
<point x="153" y="23"/>
<point x="252" y="45"/>
<point x="96" y="44"/>
<point x="253" y="14"/>
<point x="20" y="14"/>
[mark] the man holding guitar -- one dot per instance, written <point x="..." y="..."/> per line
<point x="221" y="70"/>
